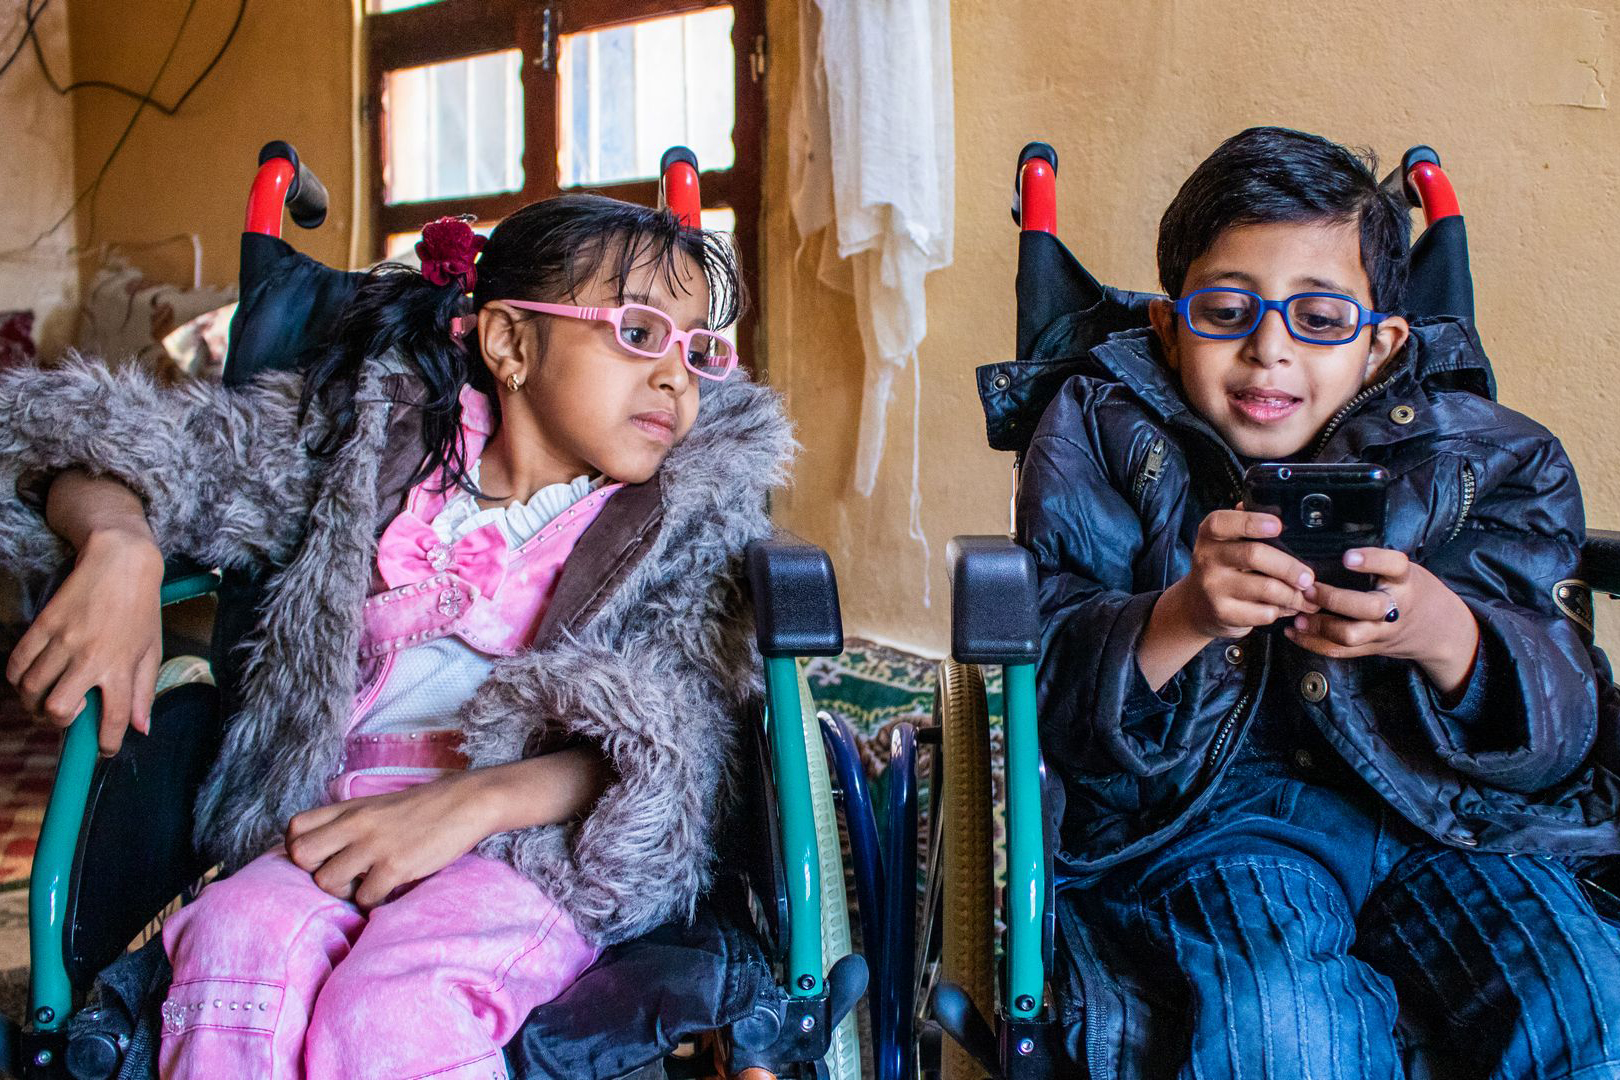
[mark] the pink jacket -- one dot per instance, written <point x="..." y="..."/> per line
<point x="475" y="589"/>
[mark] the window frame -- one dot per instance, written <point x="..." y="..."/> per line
<point x="455" y="29"/>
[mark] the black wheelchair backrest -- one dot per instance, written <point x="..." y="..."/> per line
<point x="1064" y="312"/>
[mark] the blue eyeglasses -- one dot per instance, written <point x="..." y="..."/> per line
<point x="1316" y="318"/>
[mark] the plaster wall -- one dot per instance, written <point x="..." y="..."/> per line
<point x="37" y="268"/>
<point x="287" y="75"/>
<point x="1521" y="101"/>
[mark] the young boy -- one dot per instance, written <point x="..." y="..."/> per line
<point x="1328" y="832"/>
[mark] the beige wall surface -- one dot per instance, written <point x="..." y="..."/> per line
<point x="1518" y="97"/>
<point x="1521" y="100"/>
<point x="37" y="271"/>
<point x="287" y="75"/>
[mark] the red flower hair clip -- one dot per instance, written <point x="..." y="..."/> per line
<point x="447" y="249"/>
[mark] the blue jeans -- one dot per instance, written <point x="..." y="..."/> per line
<point x="1302" y="929"/>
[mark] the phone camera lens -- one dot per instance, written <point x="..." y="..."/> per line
<point x="1314" y="510"/>
<point x="1284" y="473"/>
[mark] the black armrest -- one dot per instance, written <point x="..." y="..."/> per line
<point x="1600" y="561"/>
<point x="993" y="602"/>
<point x="795" y="598"/>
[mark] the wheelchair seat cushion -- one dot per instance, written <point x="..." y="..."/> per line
<point x="643" y="998"/>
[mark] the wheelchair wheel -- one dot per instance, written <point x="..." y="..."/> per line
<point x="843" y="1058"/>
<point x="967" y="836"/>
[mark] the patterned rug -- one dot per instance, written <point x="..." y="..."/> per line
<point x="874" y="687"/>
<point x="27" y="764"/>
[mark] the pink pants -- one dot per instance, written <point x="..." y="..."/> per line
<point x="274" y="978"/>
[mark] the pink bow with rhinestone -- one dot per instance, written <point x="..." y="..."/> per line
<point x="411" y="551"/>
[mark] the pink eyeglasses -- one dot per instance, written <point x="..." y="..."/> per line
<point x="646" y="331"/>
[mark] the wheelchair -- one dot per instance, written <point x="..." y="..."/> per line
<point x="1035" y="1010"/>
<point x="766" y="965"/>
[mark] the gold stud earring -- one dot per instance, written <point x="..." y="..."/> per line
<point x="513" y="382"/>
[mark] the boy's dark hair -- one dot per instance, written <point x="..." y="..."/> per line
<point x="545" y="251"/>
<point x="1272" y="174"/>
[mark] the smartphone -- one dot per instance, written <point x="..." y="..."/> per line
<point x="1325" y="509"/>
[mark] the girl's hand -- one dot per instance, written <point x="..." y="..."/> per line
<point x="103" y="627"/>
<point x="363" y="849"/>
<point x="1410" y="615"/>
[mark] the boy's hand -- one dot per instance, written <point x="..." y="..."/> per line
<point x="1236" y="584"/>
<point x="1410" y="615"/>
<point x="103" y="627"/>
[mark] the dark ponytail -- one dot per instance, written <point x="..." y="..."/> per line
<point x="545" y="251"/>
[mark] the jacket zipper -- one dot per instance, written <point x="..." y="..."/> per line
<point x="1095" y="1014"/>
<point x="1224" y="732"/>
<point x="1152" y="468"/>
<point x="1469" y="484"/>
<point x="1340" y="416"/>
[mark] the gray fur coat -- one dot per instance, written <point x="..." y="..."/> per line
<point x="652" y="660"/>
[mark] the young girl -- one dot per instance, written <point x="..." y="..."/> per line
<point x="487" y="709"/>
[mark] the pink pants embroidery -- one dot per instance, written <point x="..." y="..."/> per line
<point x="274" y="978"/>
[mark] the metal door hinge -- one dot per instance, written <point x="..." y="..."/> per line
<point x="547" y="60"/>
<point x="756" y="58"/>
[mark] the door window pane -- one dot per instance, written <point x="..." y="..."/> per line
<point x="454" y="129"/>
<point x="380" y="7"/>
<point x="720" y="219"/>
<point x="627" y="94"/>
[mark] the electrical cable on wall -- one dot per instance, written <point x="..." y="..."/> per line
<point x="30" y="17"/>
<point x="32" y="12"/>
<point x="146" y="100"/>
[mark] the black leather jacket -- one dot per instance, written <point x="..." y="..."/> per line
<point x="1114" y="484"/>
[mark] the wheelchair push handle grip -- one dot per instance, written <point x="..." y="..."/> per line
<point x="1034" y="205"/>
<point x="284" y="181"/>
<point x="678" y="188"/>
<point x="1425" y="184"/>
<point x="309" y="201"/>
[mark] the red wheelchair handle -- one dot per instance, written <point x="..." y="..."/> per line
<point x="1037" y="197"/>
<point x="267" y="196"/>
<point x="678" y="190"/>
<point x="1434" y="192"/>
<point x="1035" y="189"/>
<point x="284" y="181"/>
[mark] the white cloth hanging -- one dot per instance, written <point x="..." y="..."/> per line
<point x="872" y="157"/>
